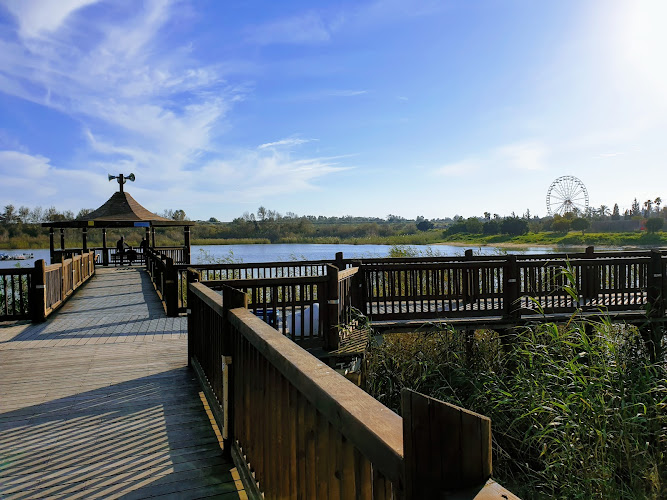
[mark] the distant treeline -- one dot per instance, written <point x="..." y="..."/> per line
<point x="21" y="228"/>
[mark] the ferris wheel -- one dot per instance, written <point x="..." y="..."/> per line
<point x="567" y="194"/>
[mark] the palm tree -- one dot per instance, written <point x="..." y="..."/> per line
<point x="658" y="202"/>
<point x="648" y="204"/>
<point x="604" y="211"/>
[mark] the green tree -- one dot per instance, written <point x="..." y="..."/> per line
<point x="491" y="227"/>
<point x="9" y="215"/>
<point x="560" y="224"/>
<point x="635" y="210"/>
<point x="615" y="213"/>
<point x="514" y="226"/>
<point x="580" y="225"/>
<point x="654" y="224"/>
<point x="424" y="225"/>
<point x="473" y="225"/>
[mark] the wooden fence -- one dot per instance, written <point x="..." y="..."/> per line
<point x="34" y="293"/>
<point x="297" y="429"/>
<point x="307" y="309"/>
<point x="15" y="286"/>
<point x="513" y="289"/>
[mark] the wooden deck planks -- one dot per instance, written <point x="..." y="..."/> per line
<point x="99" y="403"/>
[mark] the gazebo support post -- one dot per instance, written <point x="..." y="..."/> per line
<point x="52" y="247"/>
<point x="186" y="250"/>
<point x="153" y="237"/>
<point x="84" y="240"/>
<point x="105" y="252"/>
<point x="62" y="239"/>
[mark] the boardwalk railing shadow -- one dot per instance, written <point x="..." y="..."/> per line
<point x="135" y="439"/>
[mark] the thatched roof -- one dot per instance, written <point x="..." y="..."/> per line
<point x="122" y="207"/>
<point x="121" y="210"/>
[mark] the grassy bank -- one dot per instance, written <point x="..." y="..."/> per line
<point x="577" y="411"/>
<point x="563" y="239"/>
<point x="174" y="237"/>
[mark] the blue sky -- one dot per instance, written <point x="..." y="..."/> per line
<point x="332" y="108"/>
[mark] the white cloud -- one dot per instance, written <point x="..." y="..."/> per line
<point x="457" y="169"/>
<point x="524" y="155"/>
<point x="309" y="27"/>
<point x="609" y="155"/>
<point x="346" y="93"/>
<point x="146" y="107"/>
<point x="27" y="178"/>
<point x="36" y="17"/>
<point x="288" y="142"/>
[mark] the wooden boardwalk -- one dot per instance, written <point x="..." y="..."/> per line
<point x="98" y="402"/>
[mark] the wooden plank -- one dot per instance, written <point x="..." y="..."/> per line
<point x="447" y="448"/>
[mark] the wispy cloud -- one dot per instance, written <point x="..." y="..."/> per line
<point x="27" y="178"/>
<point x="37" y="17"/>
<point x="321" y="25"/>
<point x="524" y="155"/>
<point x="288" y="142"/>
<point x="609" y="155"/>
<point x="309" y="27"/>
<point x="345" y="93"/>
<point x="458" y="169"/>
<point x="143" y="108"/>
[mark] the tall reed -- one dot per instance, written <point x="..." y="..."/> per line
<point x="578" y="411"/>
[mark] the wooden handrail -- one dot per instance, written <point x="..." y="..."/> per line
<point x="347" y="273"/>
<point x="369" y="425"/>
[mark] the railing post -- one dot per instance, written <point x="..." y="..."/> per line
<point x="357" y="300"/>
<point x="656" y="306"/>
<point x="105" y="250"/>
<point x="470" y="281"/>
<point x="339" y="263"/>
<point x="186" y="248"/>
<point x="63" y="280"/>
<point x="446" y="448"/>
<point x="171" y="288"/>
<point x="192" y="277"/>
<point x="38" y="292"/>
<point x="512" y="310"/>
<point x="231" y="299"/>
<point x="589" y="277"/>
<point x="331" y="336"/>
<point x="52" y="249"/>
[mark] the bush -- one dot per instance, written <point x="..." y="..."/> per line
<point x="577" y="410"/>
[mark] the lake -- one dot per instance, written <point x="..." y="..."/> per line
<point x="287" y="252"/>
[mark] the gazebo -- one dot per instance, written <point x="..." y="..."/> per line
<point x="121" y="210"/>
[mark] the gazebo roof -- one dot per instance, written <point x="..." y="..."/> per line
<point x="121" y="210"/>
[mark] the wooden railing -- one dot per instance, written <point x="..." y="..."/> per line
<point x="15" y="285"/>
<point x="55" y="283"/>
<point x="297" y="429"/>
<point x="164" y="276"/>
<point x="306" y="309"/>
<point x="430" y="290"/>
<point x="36" y="292"/>
<point x="177" y="254"/>
<point x="512" y="288"/>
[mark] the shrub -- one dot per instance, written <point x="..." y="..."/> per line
<point x="577" y="410"/>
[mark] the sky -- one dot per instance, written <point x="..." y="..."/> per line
<point x="365" y="108"/>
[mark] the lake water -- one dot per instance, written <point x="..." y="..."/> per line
<point x="287" y="252"/>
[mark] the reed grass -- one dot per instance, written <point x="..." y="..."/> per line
<point x="578" y="411"/>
